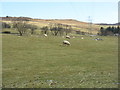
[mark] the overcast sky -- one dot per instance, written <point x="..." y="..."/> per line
<point x="98" y="11"/>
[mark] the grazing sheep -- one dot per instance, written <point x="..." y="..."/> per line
<point x="65" y="42"/>
<point x="116" y="34"/>
<point x="45" y="35"/>
<point x="73" y="37"/>
<point x="68" y="37"/>
<point x="92" y="35"/>
<point x="82" y="38"/>
<point x="98" y="39"/>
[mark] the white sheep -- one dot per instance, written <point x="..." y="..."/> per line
<point x="45" y="35"/>
<point x="65" y="42"/>
<point x="82" y="38"/>
<point x="68" y="37"/>
<point x="98" y="39"/>
<point x="92" y="35"/>
<point x="73" y="37"/>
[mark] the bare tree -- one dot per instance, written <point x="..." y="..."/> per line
<point x="54" y="29"/>
<point x="31" y="27"/>
<point x="21" y="27"/>
<point x="45" y="29"/>
<point x="68" y="29"/>
<point x="57" y="29"/>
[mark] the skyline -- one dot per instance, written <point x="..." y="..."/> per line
<point x="99" y="12"/>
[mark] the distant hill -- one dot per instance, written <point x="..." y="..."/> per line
<point x="9" y="18"/>
<point x="77" y="25"/>
<point x="72" y="22"/>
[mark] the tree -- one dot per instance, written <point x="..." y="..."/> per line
<point x="108" y="28"/>
<point x="45" y="29"/>
<point x="58" y="28"/>
<point x="118" y="29"/>
<point x="78" y="32"/>
<point x="113" y="29"/>
<point x="102" y="31"/>
<point x="83" y="33"/>
<point x="68" y="29"/>
<point x="5" y="25"/>
<point x="31" y="27"/>
<point x="21" y="27"/>
<point x="55" y="28"/>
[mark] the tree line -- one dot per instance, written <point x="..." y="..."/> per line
<point x="9" y="18"/>
<point x="111" y="30"/>
<point x="22" y="27"/>
<point x="55" y="29"/>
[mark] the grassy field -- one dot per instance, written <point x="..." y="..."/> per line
<point x="41" y="62"/>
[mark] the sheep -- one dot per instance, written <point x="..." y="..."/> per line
<point x="45" y="35"/>
<point x="73" y="37"/>
<point x="65" y="42"/>
<point x="116" y="34"/>
<point x="82" y="38"/>
<point x="68" y="37"/>
<point x="98" y="39"/>
<point x="92" y="35"/>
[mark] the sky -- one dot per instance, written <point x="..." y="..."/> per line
<point x="95" y="12"/>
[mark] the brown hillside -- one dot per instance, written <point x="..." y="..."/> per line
<point x="77" y="25"/>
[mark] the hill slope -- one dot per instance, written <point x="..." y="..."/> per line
<point x="77" y="25"/>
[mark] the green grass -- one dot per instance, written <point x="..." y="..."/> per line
<point x="31" y="61"/>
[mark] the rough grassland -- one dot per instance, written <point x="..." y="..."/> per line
<point x="35" y="61"/>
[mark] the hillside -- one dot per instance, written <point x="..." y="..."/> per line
<point x="77" y="25"/>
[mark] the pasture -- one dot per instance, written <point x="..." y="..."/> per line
<point x="42" y="62"/>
